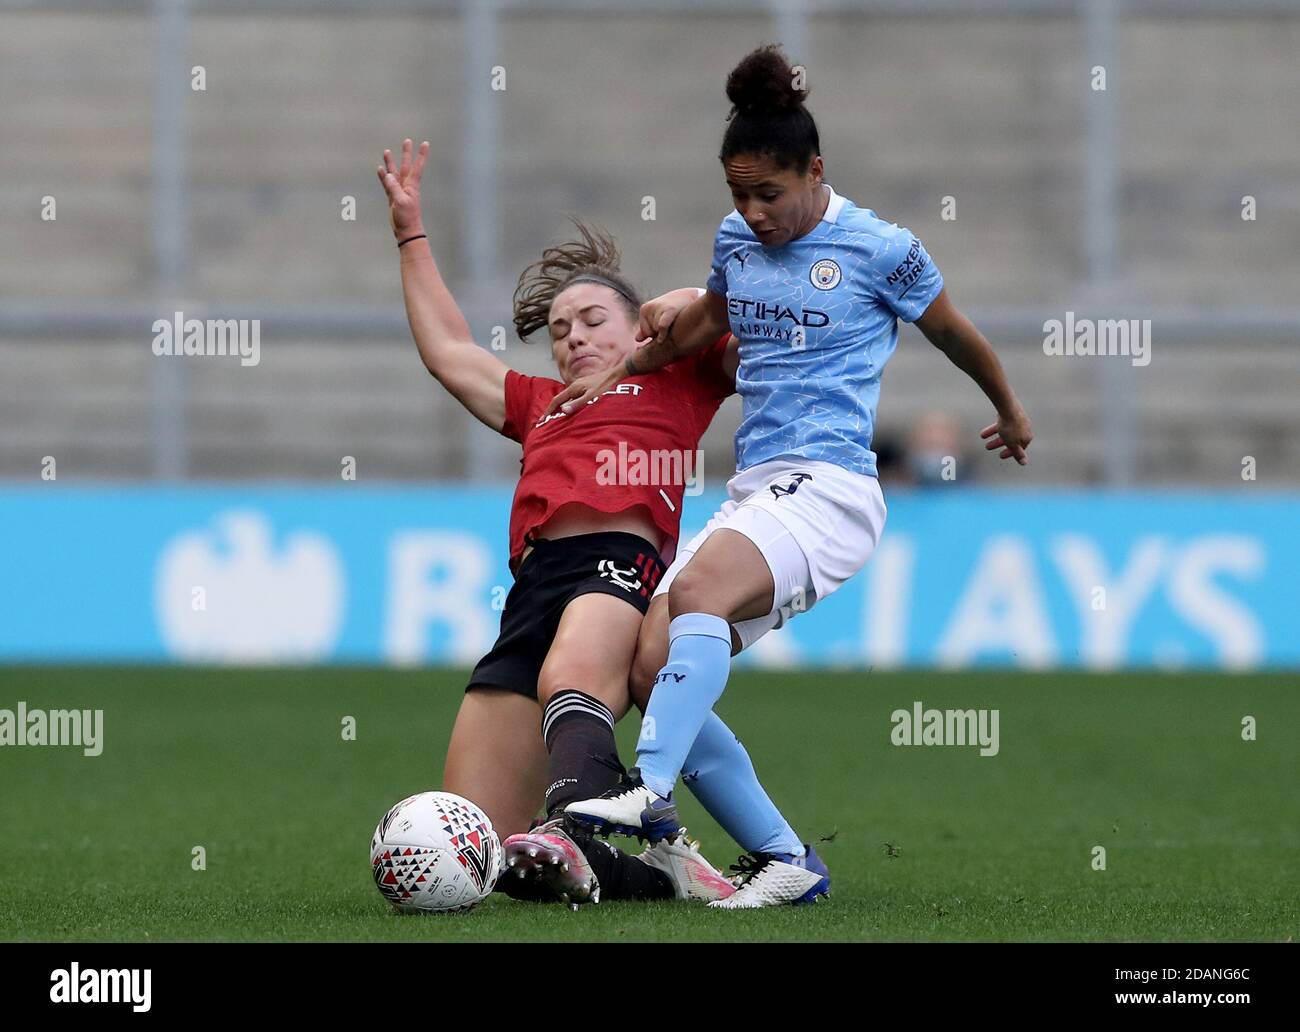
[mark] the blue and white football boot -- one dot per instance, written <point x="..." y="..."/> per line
<point x="629" y="808"/>
<point x="777" y="879"/>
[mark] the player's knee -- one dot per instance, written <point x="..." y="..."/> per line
<point x="691" y="590"/>
<point x="647" y="664"/>
<point x="639" y="683"/>
<point x="651" y="652"/>
<point x="600" y="685"/>
<point x="549" y="685"/>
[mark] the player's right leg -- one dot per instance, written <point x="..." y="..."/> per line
<point x="727" y="580"/>
<point x="718" y="769"/>
<point x="582" y="687"/>
<point x="594" y="582"/>
<point x="809" y="529"/>
<point x="779" y="867"/>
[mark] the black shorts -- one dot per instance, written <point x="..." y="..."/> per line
<point x="554" y="574"/>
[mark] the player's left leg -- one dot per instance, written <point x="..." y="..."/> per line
<point x="495" y="757"/>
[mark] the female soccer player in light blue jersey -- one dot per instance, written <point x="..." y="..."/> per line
<point x="813" y="287"/>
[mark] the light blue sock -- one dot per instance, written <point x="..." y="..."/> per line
<point x="721" y="774"/>
<point x="699" y="660"/>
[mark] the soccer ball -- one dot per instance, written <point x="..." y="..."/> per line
<point x="435" y="852"/>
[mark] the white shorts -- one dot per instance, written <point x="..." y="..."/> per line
<point x="816" y="525"/>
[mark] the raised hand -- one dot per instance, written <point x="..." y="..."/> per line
<point x="402" y="184"/>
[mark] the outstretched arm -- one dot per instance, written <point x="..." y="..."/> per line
<point x="474" y="376"/>
<point x="967" y="349"/>
<point x="673" y="333"/>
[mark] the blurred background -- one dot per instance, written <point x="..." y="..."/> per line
<point x="1116" y="160"/>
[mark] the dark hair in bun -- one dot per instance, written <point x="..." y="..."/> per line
<point x="768" y="116"/>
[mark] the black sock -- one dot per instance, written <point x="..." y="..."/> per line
<point x="622" y="876"/>
<point x="579" y="735"/>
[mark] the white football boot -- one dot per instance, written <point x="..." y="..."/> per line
<point x="629" y="808"/>
<point x="777" y="879"/>
<point x="693" y="877"/>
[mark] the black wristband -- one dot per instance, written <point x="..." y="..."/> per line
<point x="418" y="236"/>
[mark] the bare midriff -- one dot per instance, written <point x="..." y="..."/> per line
<point x="575" y="518"/>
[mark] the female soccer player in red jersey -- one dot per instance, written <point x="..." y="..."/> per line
<point x="586" y="554"/>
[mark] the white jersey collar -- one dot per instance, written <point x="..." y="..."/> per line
<point x="835" y="206"/>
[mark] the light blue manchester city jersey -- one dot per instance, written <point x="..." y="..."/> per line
<point x="817" y="319"/>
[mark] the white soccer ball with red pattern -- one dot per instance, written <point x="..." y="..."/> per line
<point x="435" y="852"/>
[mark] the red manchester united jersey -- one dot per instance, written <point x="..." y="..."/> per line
<point x="636" y="444"/>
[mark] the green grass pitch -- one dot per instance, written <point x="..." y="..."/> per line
<point x="1200" y="828"/>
